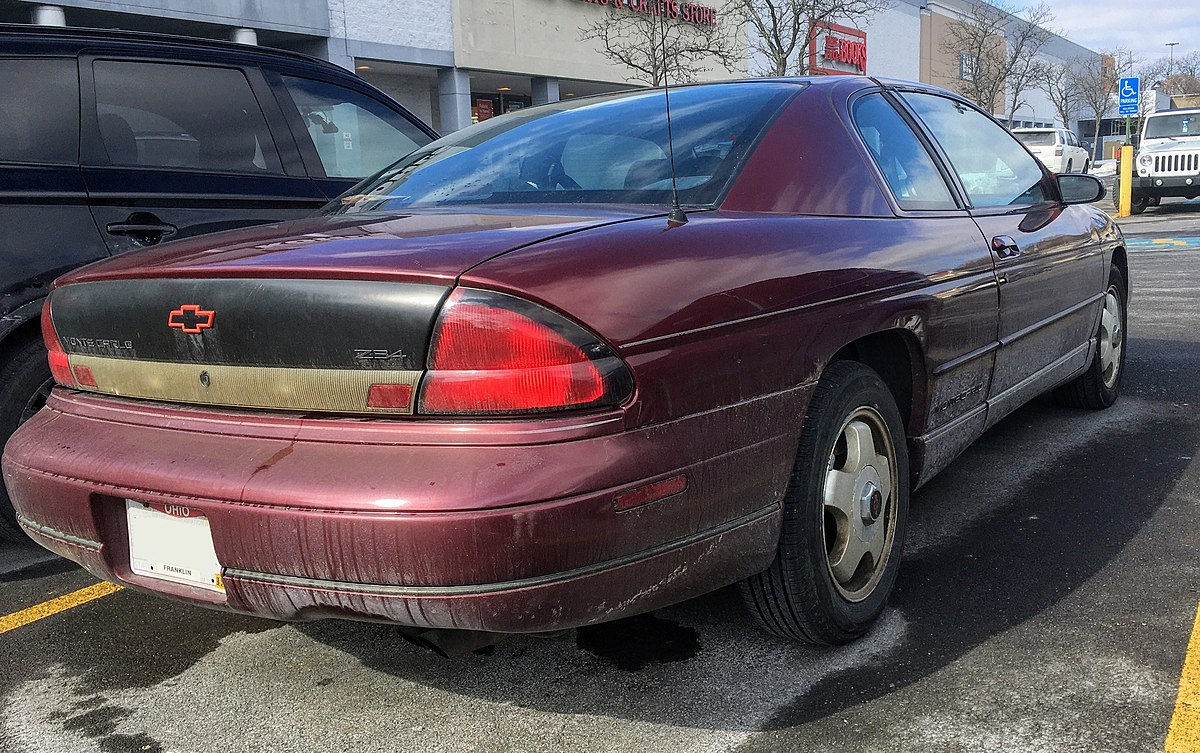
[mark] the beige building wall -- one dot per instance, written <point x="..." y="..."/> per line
<point x="938" y="65"/>
<point x="540" y="38"/>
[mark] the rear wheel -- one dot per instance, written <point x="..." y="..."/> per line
<point x="1139" y="203"/>
<point x="1099" y="386"/>
<point x="1070" y="164"/>
<point x="1087" y="165"/>
<point x="25" y="376"/>
<point x="844" y="515"/>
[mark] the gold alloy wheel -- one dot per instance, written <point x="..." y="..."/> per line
<point x="1112" y="337"/>
<point x="859" y="504"/>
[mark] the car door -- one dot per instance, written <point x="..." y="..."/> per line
<point x="344" y="132"/>
<point x="43" y="205"/>
<point x="172" y="149"/>
<point x="1048" y="263"/>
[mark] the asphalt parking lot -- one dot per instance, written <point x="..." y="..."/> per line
<point x="1046" y="602"/>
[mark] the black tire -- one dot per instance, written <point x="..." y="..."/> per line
<point x="1096" y="388"/>
<point x="1139" y="203"/>
<point x="1070" y="163"/>
<point x="25" y="380"/>
<point x="798" y="597"/>
<point x="1087" y="165"/>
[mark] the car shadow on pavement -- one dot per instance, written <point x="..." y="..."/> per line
<point x="1041" y="504"/>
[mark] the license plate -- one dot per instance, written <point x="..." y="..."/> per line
<point x="172" y="542"/>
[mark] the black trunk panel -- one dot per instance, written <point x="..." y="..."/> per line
<point x="336" y="324"/>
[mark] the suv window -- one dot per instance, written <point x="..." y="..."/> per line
<point x="44" y="127"/>
<point x="354" y="135"/>
<point x="904" y="162"/>
<point x="993" y="168"/>
<point x="181" y="117"/>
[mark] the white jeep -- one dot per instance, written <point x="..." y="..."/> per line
<point x="1168" y="159"/>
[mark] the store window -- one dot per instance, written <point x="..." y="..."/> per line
<point x="354" y="135"/>
<point x="45" y="127"/>
<point x="966" y="66"/>
<point x="188" y="117"/>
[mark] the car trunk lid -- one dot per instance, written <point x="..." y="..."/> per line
<point x="324" y="315"/>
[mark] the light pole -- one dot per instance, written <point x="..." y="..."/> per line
<point x="1171" y="65"/>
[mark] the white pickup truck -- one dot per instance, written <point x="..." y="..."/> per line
<point x="1168" y="159"/>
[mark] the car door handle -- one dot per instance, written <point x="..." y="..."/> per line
<point x="143" y="227"/>
<point x="1005" y="247"/>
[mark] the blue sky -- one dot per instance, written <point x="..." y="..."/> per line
<point x="1142" y="26"/>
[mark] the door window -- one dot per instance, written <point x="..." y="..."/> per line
<point x="39" y="111"/>
<point x="993" y="168"/>
<point x="181" y="117"/>
<point x="353" y="134"/>
<point x="906" y="165"/>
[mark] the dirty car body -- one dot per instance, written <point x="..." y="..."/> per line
<point x="493" y="389"/>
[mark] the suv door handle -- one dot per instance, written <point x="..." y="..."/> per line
<point x="143" y="227"/>
<point x="1005" y="247"/>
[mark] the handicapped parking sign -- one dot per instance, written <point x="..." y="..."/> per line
<point x="1127" y="96"/>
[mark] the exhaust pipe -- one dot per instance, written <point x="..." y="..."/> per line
<point x="452" y="644"/>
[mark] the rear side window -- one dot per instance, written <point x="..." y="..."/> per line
<point x="39" y="111"/>
<point x="189" y="117"/>
<point x="905" y="163"/>
<point x="993" y="168"/>
<point x="1036" y="138"/>
<point x="354" y="135"/>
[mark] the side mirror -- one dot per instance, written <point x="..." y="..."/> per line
<point x="1078" y="188"/>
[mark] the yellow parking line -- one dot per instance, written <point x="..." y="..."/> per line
<point x="54" y="606"/>
<point x="1184" y="735"/>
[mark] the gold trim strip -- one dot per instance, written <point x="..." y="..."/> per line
<point x="325" y="390"/>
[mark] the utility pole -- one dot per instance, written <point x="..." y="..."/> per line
<point x="1171" y="65"/>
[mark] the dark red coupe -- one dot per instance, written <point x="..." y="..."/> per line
<point x="494" y="389"/>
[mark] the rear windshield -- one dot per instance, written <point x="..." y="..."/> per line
<point x="600" y="150"/>
<point x="1037" y="138"/>
<point x="1182" y="124"/>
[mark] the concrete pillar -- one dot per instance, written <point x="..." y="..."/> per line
<point x="454" y="99"/>
<point x="244" y="36"/>
<point x="49" y="15"/>
<point x="544" y="89"/>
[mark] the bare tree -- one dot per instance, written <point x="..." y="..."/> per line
<point x="1026" y="38"/>
<point x="1097" y="78"/>
<point x="784" y="29"/>
<point x="998" y="52"/>
<point x="652" y="40"/>
<point x="1058" y="80"/>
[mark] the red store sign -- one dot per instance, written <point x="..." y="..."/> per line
<point x="842" y="49"/>
<point x="691" y="13"/>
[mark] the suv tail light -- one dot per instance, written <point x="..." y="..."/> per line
<point x="60" y="363"/>
<point x="1058" y="152"/>
<point x="494" y="353"/>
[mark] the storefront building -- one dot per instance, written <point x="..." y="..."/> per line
<point x="456" y="61"/>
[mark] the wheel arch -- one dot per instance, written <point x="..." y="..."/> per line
<point x="897" y="356"/>
<point x="1120" y="258"/>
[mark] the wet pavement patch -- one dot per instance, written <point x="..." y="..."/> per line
<point x="637" y="642"/>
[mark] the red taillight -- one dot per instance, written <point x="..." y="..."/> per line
<point x="1058" y="152"/>
<point x="493" y="353"/>
<point x="60" y="364"/>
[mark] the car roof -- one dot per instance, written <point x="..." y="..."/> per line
<point x="1036" y="130"/>
<point x="1176" y="111"/>
<point x="75" y="38"/>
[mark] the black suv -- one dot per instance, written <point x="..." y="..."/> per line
<point x="110" y="141"/>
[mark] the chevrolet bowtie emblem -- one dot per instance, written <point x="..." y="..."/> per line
<point x="191" y="319"/>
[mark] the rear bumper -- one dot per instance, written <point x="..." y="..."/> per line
<point x="511" y="530"/>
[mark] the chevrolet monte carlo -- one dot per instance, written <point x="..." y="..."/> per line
<point x="494" y="389"/>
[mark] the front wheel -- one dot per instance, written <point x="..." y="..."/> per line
<point x="1099" y="386"/>
<point x="844" y="516"/>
